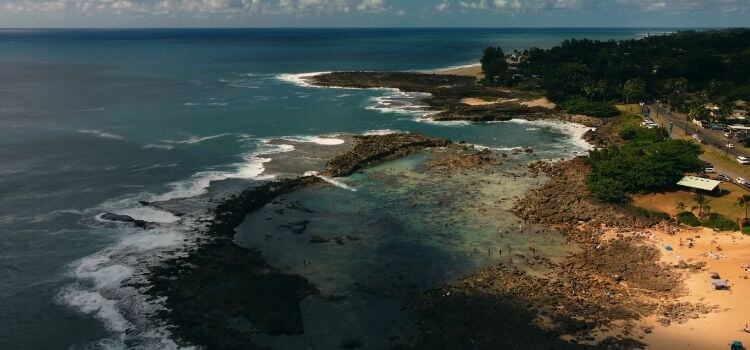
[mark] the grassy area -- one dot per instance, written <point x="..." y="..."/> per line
<point x="726" y="204"/>
<point x="629" y="116"/>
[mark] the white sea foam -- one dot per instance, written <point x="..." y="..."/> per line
<point x="250" y="168"/>
<point x="197" y="139"/>
<point x="149" y="214"/>
<point x="574" y="132"/>
<point x="102" y="134"/>
<point x="123" y="309"/>
<point x="396" y="101"/>
<point x="320" y="140"/>
<point x="91" y="110"/>
<point x="382" y="132"/>
<point x="332" y="181"/>
<point x="300" y="79"/>
<point x="158" y="146"/>
<point x="195" y="104"/>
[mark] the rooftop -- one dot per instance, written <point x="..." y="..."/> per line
<point x="699" y="183"/>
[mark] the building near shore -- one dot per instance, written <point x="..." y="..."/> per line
<point x="700" y="184"/>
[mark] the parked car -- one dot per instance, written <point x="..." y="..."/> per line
<point x="729" y="145"/>
<point x="740" y="181"/>
<point x="743" y="160"/>
<point x="728" y="135"/>
<point x="723" y="177"/>
<point x="709" y="170"/>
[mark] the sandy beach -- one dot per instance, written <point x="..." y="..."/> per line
<point x="539" y="102"/>
<point x="474" y="70"/>
<point x="723" y="253"/>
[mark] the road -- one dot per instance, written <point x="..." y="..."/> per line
<point x="714" y="138"/>
<point x="715" y="147"/>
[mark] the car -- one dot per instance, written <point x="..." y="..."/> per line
<point x="709" y="170"/>
<point x="740" y="181"/>
<point x="723" y="177"/>
<point x="743" y="160"/>
<point x="696" y="136"/>
<point x="728" y="135"/>
<point x="729" y="145"/>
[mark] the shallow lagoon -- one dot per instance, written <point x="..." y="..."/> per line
<point x="399" y="231"/>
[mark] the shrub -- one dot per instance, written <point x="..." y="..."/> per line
<point x="641" y="167"/>
<point x="720" y="223"/>
<point x="647" y="213"/>
<point x="688" y="218"/>
<point x="746" y="230"/>
<point x="637" y="133"/>
<point x="580" y="105"/>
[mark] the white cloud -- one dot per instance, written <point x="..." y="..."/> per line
<point x="61" y="8"/>
<point x="371" y="6"/>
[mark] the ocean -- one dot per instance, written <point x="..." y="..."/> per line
<point x="94" y="121"/>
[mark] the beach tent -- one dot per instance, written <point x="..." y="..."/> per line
<point x="720" y="284"/>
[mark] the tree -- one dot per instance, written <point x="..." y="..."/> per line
<point x="681" y="207"/>
<point x="601" y="89"/>
<point x="702" y="203"/>
<point x="698" y="110"/>
<point x="744" y="201"/>
<point x="724" y="110"/>
<point x="634" y="89"/>
<point x="494" y="66"/>
<point x="675" y="88"/>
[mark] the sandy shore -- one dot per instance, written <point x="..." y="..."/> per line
<point x="474" y="70"/>
<point x="539" y="102"/>
<point x="722" y="252"/>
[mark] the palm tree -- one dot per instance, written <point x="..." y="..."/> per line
<point x="681" y="207"/>
<point x="701" y="201"/>
<point x="744" y="201"/>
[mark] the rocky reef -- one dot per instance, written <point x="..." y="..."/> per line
<point x="372" y="149"/>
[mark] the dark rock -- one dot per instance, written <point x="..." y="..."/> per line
<point x="351" y="344"/>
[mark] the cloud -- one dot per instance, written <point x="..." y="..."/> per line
<point x="371" y="6"/>
<point x="383" y="8"/>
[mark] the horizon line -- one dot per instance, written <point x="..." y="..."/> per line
<point x="371" y="27"/>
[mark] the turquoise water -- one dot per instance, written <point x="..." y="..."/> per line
<point x="95" y="120"/>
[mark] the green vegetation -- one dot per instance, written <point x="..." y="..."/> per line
<point x="648" y="163"/>
<point x="637" y="133"/>
<point x="688" y="218"/>
<point x="683" y="69"/>
<point x="720" y="222"/>
<point x="580" y="105"/>
<point x="494" y="66"/>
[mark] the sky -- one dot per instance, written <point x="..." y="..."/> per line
<point x="374" y="13"/>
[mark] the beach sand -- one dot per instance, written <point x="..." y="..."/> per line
<point x="715" y="330"/>
<point x="539" y="102"/>
<point x="474" y="70"/>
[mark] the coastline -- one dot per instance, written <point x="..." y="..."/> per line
<point x="626" y="308"/>
<point x="651" y="331"/>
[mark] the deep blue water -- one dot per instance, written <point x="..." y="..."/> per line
<point x="94" y="120"/>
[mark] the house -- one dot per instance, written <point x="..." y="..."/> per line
<point x="700" y="184"/>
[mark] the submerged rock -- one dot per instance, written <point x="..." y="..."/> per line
<point x="124" y="218"/>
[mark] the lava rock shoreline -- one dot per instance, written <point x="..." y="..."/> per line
<point x="219" y="294"/>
